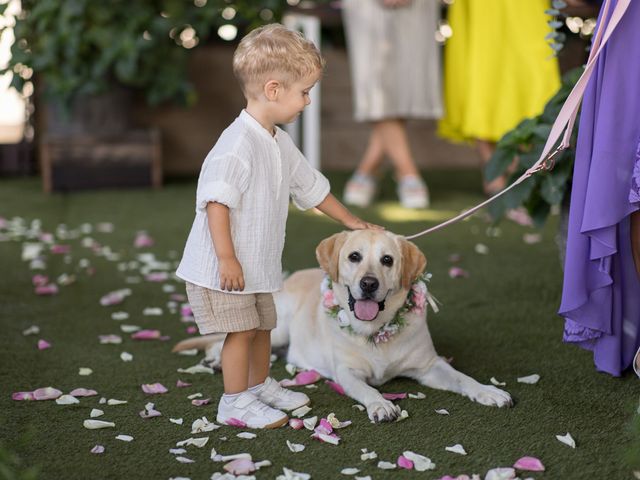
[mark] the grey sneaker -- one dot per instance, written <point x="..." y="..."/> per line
<point x="281" y="398"/>
<point x="360" y="190"/>
<point x="413" y="192"/>
<point x="246" y="410"/>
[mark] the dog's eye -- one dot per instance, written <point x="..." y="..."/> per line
<point x="355" y="257"/>
<point x="386" y="260"/>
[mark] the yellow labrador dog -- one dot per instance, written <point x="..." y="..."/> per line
<point x="361" y="321"/>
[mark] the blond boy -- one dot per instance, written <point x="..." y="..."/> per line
<point x="232" y="259"/>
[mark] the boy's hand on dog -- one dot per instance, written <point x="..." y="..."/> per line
<point x="231" y="276"/>
<point x="356" y="223"/>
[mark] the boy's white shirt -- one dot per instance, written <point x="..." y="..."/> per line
<point x="252" y="173"/>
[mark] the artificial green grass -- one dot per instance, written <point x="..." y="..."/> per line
<point x="501" y="322"/>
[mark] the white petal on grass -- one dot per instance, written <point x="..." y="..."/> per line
<point x="529" y="379"/>
<point x="310" y="423"/>
<point x="420" y="462"/>
<point x="501" y="473"/>
<point x="386" y="465"/>
<point x="67" y="400"/>
<point x="368" y="477"/>
<point x="442" y="411"/>
<point x="32" y="330"/>
<point x="196" y="369"/>
<point x="417" y="396"/>
<point x="567" y="440"/>
<point x="194" y="395"/>
<point x="291" y="475"/>
<point x="119" y="316"/>
<point x="403" y="416"/>
<point x="130" y="328"/>
<point x="96" y="412"/>
<point x="124" y="438"/>
<point x="84" y="371"/>
<point x="301" y="412"/>
<point x="291" y="369"/>
<point x="246" y="435"/>
<point x="457" y="448"/>
<point x="201" y="425"/>
<point x="216" y="457"/>
<point x="295" y="447"/>
<point x="177" y="451"/>
<point x="126" y="357"/>
<point x="349" y="471"/>
<point x="185" y="460"/>
<point x="196" y="442"/>
<point x="152" y="311"/>
<point x="190" y="353"/>
<point x="114" y="401"/>
<point x="497" y="383"/>
<point x="177" y="421"/>
<point x="311" y="387"/>
<point x="357" y="406"/>
<point x="368" y="455"/>
<point x="481" y="249"/>
<point x="95" y="424"/>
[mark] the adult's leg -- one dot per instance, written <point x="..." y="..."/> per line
<point x="373" y="155"/>
<point x="236" y="355"/>
<point x="395" y="143"/>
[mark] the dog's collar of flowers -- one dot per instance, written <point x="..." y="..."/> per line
<point x="416" y="302"/>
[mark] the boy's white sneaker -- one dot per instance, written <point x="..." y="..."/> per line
<point x="271" y="393"/>
<point x="246" y="410"/>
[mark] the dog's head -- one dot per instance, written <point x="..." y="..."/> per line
<point x="372" y="271"/>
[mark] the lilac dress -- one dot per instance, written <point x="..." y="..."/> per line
<point x="601" y="293"/>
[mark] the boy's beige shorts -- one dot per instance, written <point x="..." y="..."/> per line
<point x="216" y="311"/>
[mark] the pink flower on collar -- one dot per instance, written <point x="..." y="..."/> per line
<point x="419" y="297"/>
<point x="328" y="299"/>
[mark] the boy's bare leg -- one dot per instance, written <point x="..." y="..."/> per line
<point x="373" y="155"/>
<point x="260" y="358"/>
<point x="236" y="354"/>
<point x="395" y="141"/>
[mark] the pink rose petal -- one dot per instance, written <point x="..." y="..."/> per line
<point x="60" y="249"/>
<point x="186" y="311"/>
<point x="83" y="392"/>
<point x="143" y="240"/>
<point x="394" y="396"/>
<point x="43" y="344"/>
<point x="234" y="422"/>
<point x="150" y="413"/>
<point x="22" y="396"/>
<point x="154" y="388"/>
<point x="296" y="423"/>
<point x="324" y="427"/>
<point x="181" y="384"/>
<point x="50" y="289"/>
<point x="240" y="466"/>
<point x="404" y="462"/>
<point x="192" y="330"/>
<point x="39" y="280"/>
<point x="457" y="272"/>
<point x="97" y="449"/>
<point x="157" y="277"/>
<point x="198" y="402"/>
<point x="46" y="393"/>
<point x="531" y="464"/>
<point x="335" y="386"/>
<point x="333" y="439"/>
<point x="307" y="377"/>
<point x="178" y="297"/>
<point x="146" y="335"/>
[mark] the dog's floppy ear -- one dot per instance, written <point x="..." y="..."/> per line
<point x="413" y="262"/>
<point x="328" y="253"/>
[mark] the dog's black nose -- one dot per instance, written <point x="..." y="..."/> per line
<point x="369" y="284"/>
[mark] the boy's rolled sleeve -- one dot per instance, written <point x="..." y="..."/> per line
<point x="308" y="186"/>
<point x="223" y="180"/>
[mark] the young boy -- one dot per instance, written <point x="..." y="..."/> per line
<point x="232" y="259"/>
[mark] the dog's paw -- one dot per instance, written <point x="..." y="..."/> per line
<point x="492" y="397"/>
<point x="383" y="411"/>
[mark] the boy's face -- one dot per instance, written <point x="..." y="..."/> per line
<point x="292" y="100"/>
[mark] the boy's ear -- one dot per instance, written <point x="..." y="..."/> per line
<point x="271" y="89"/>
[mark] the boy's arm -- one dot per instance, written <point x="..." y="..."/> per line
<point x="231" y="276"/>
<point x="332" y="207"/>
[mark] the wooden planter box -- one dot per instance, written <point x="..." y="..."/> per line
<point x="85" y="161"/>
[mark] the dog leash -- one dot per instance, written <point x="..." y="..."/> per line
<point x="564" y="121"/>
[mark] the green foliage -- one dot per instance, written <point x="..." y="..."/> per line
<point x="12" y="467"/>
<point x="80" y="47"/>
<point x="521" y="148"/>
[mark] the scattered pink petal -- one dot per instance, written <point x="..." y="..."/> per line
<point x="324" y="427"/>
<point x="333" y="439"/>
<point x="234" y="422"/>
<point x="22" y="396"/>
<point x="394" y="396"/>
<point x="181" y="384"/>
<point x="295" y="423"/>
<point x="240" y="466"/>
<point x="185" y="310"/>
<point x="46" y="393"/>
<point x="457" y="272"/>
<point x="531" y="464"/>
<point x="404" y="462"/>
<point x="43" y="344"/>
<point x="519" y="216"/>
<point x="154" y="388"/>
<point x="83" y="392"/>
<point x="50" y="289"/>
<point x="150" y="411"/>
<point x="143" y="240"/>
<point x="146" y="335"/>
<point x="198" y="402"/>
<point x="164" y="338"/>
<point x="335" y="386"/>
<point x="39" y="280"/>
<point x="114" y="298"/>
<point x="191" y="330"/>
<point x="178" y="297"/>
<point x="157" y="277"/>
<point x="97" y="449"/>
<point x="60" y="249"/>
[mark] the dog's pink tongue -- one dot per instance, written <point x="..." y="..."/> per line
<point x="366" y="309"/>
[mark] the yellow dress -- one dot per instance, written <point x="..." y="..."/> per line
<point x="498" y="67"/>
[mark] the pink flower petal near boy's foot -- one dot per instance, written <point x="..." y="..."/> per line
<point x="22" y="396"/>
<point x="46" y="393"/>
<point x="157" y="277"/>
<point x="198" y="402"/>
<point x="296" y="423"/>
<point x="404" y="462"/>
<point x="457" y="272"/>
<point x="181" y="384"/>
<point x="191" y="330"/>
<point x="186" y="311"/>
<point x="154" y="388"/>
<point x="234" y="422"/>
<point x="324" y="427"/>
<point x="39" y="280"/>
<point x="303" y="378"/>
<point x="43" y="344"/>
<point x="530" y="464"/>
<point x="50" y="289"/>
<point x="394" y="396"/>
<point x="335" y="386"/>
<point x="143" y="240"/>
<point x="83" y="392"/>
<point x="240" y="466"/>
<point x="60" y="249"/>
<point x="147" y="335"/>
<point x="333" y="439"/>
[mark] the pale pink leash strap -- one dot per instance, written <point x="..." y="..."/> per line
<point x="564" y="121"/>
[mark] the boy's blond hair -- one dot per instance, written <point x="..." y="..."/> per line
<point x="277" y="52"/>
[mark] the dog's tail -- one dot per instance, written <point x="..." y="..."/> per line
<point x="201" y="343"/>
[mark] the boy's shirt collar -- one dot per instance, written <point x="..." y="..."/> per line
<point x="255" y="125"/>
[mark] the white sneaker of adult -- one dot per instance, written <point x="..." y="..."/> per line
<point x="359" y="190"/>
<point x="413" y="192"/>
<point x="246" y="410"/>
<point x="271" y="393"/>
